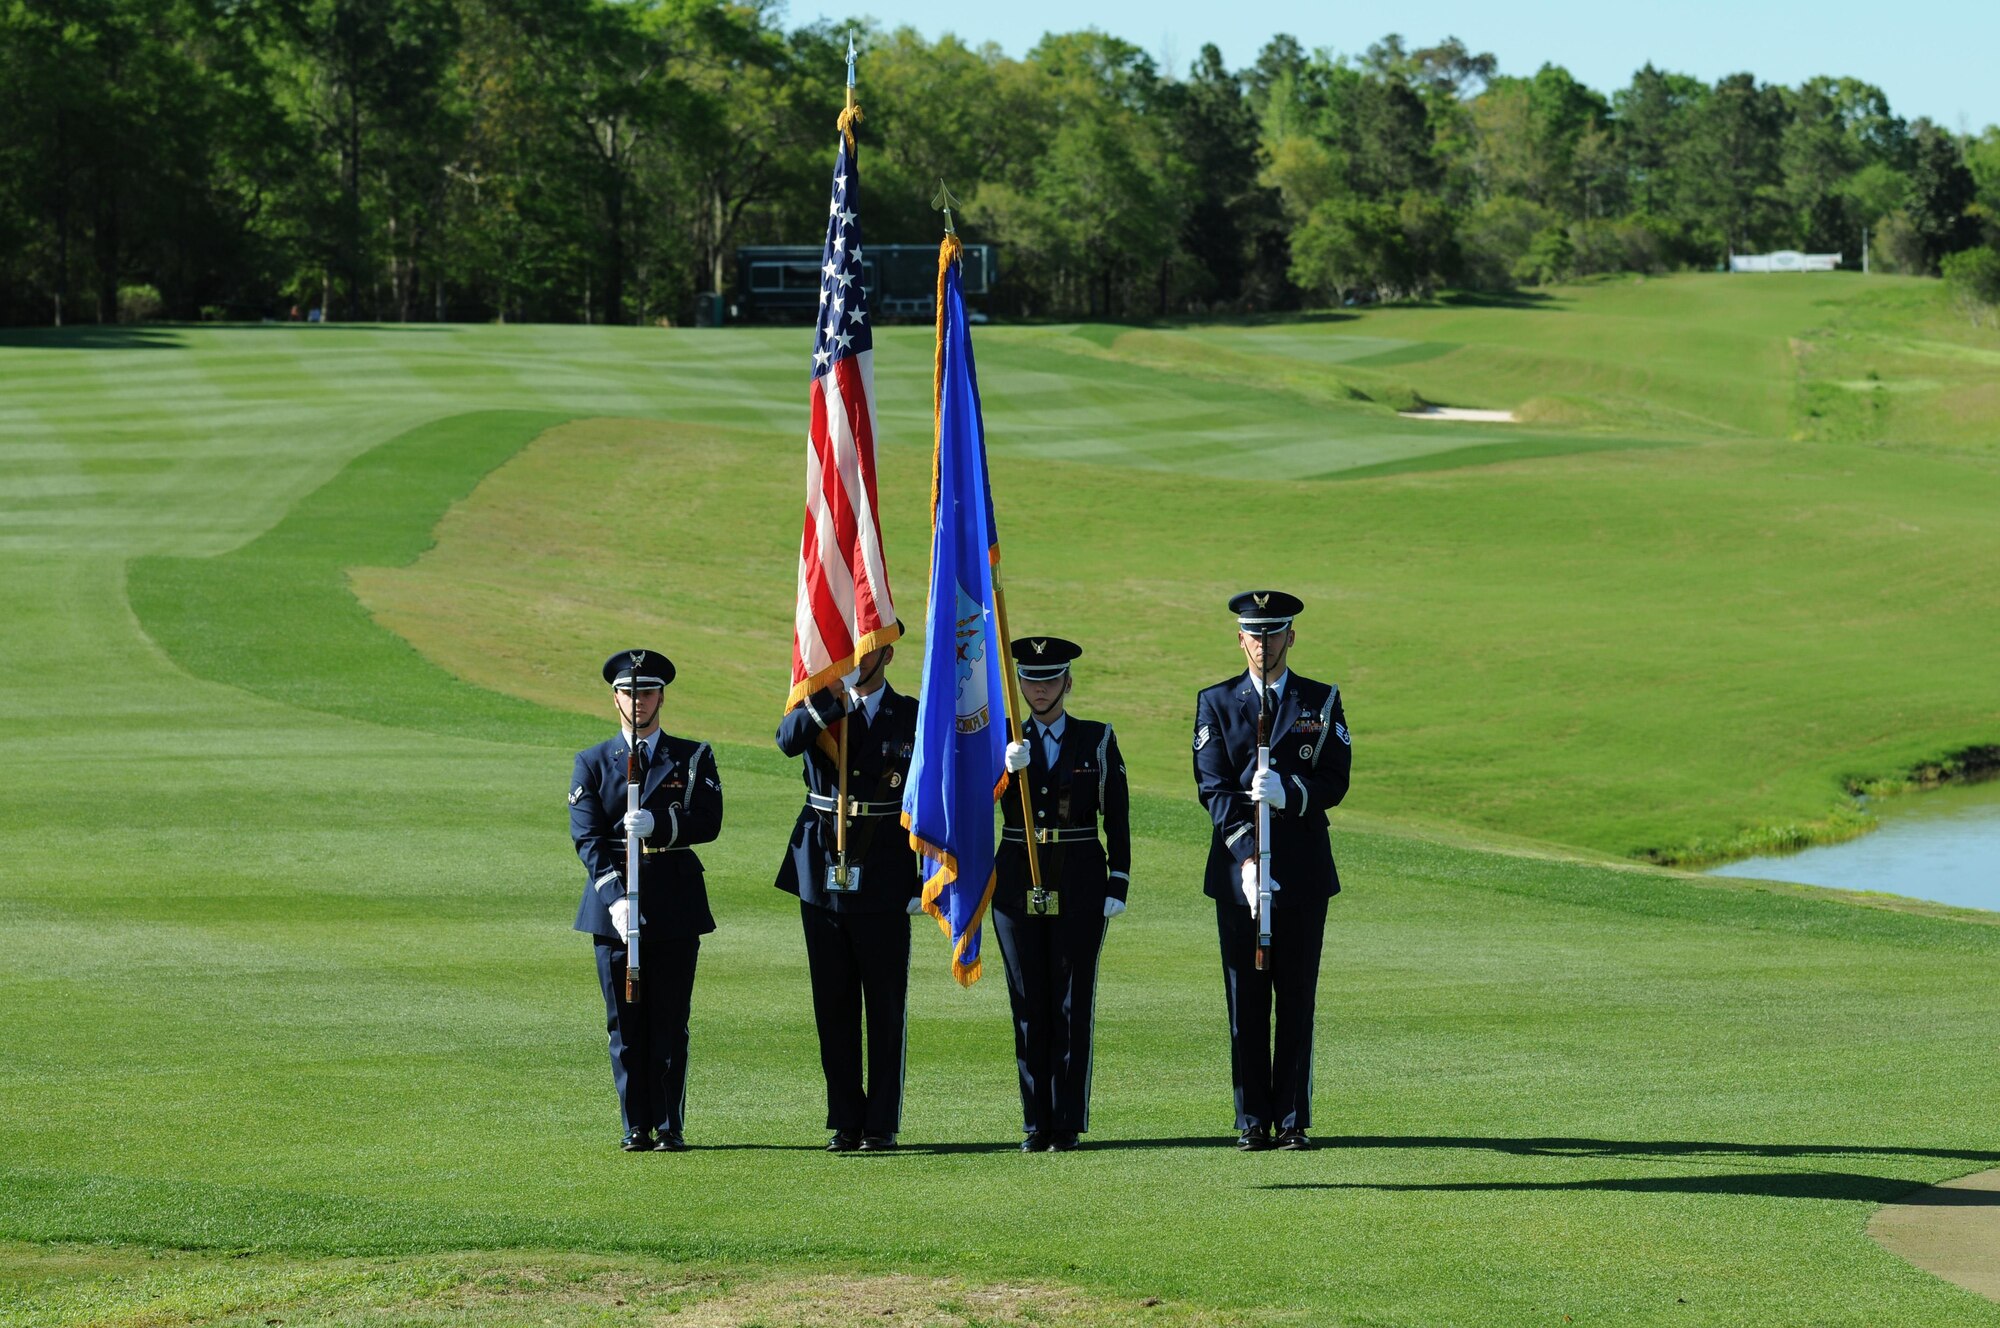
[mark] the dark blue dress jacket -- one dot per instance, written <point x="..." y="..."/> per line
<point x="683" y="791"/>
<point x="878" y="763"/>
<point x="1087" y="782"/>
<point x="1312" y="753"/>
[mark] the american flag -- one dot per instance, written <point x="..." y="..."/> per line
<point x="843" y="608"/>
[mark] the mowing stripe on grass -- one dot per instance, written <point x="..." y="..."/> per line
<point x="1493" y="454"/>
<point x="276" y="616"/>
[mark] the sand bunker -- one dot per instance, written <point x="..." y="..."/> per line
<point x="1460" y="413"/>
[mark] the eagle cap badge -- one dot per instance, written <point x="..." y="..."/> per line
<point x="1263" y="601"/>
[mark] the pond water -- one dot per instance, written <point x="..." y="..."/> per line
<point x="1943" y="845"/>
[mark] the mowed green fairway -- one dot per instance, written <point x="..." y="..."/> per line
<point x="299" y="631"/>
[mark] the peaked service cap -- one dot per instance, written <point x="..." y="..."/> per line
<point x="640" y="670"/>
<point x="1043" y="658"/>
<point x="1263" y="612"/>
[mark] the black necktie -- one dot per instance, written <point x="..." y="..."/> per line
<point x="1271" y="700"/>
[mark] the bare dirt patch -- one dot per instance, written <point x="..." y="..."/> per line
<point x="1952" y="1230"/>
<point x="102" y="1286"/>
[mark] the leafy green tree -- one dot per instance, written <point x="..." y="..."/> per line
<point x="755" y="142"/>
<point x="1982" y="159"/>
<point x="1942" y="192"/>
<point x="1973" y="278"/>
<point x="367" y="78"/>
<point x="1735" y="180"/>
<point x="1344" y="244"/>
<point x="1530" y="134"/>
<point x="1105" y="206"/>
<point x="971" y="117"/>
<point x="1214" y="133"/>
<point x="1497" y="235"/>
<point x="1653" y="120"/>
<point x="1551" y="257"/>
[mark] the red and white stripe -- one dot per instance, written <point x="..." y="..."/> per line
<point x="843" y="595"/>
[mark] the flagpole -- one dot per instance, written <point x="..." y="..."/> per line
<point x="1014" y="731"/>
<point x="948" y="252"/>
<point x="841" y="877"/>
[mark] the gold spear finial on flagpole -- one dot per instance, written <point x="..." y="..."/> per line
<point x="852" y="112"/>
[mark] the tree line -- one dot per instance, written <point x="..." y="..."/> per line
<point x="600" y="161"/>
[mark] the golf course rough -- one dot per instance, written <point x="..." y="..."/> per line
<point x="311" y="616"/>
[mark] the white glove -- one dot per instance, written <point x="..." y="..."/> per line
<point x="847" y="681"/>
<point x="621" y="917"/>
<point x="1250" y="885"/>
<point x="916" y="906"/>
<point x="639" y="823"/>
<point x="1268" y="787"/>
<point x="1017" y="757"/>
<point x="1113" y="907"/>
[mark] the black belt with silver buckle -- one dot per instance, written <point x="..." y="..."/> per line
<point x="820" y="802"/>
<point x="648" y="851"/>
<point x="1068" y="834"/>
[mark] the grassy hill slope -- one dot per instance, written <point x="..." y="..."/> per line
<point x="285" y="965"/>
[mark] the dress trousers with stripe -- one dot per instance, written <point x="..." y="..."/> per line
<point x="1075" y="781"/>
<point x="683" y="791"/>
<point x="857" y="943"/>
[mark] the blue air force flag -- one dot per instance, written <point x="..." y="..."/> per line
<point x="958" y="768"/>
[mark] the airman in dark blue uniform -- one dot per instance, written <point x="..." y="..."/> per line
<point x="857" y="930"/>
<point x="1050" y="938"/>
<point x="680" y="806"/>
<point x="1311" y="753"/>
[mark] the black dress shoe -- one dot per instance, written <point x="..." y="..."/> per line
<point x="638" y="1141"/>
<point x="670" y="1141"/>
<point x="1294" y="1141"/>
<point x="1253" y="1140"/>
<point x="1066" y="1142"/>
<point x="843" y="1141"/>
<point x="1036" y="1142"/>
<point x="878" y="1143"/>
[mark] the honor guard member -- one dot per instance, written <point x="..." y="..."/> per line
<point x="858" y="929"/>
<point x="1050" y="938"/>
<point x="1310" y="758"/>
<point x="680" y="806"/>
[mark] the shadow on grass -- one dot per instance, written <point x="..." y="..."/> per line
<point x="93" y="337"/>
<point x="1089" y="1145"/>
<point x="978" y="1147"/>
<point x="1799" y="1184"/>
<point x="1561" y="1146"/>
<point x="1769" y="1185"/>
<point x="1500" y="300"/>
<point x="172" y="336"/>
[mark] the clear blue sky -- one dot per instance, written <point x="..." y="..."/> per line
<point x="1939" y="58"/>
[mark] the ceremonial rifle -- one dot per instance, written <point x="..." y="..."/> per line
<point x="635" y="776"/>
<point x="1263" y="958"/>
